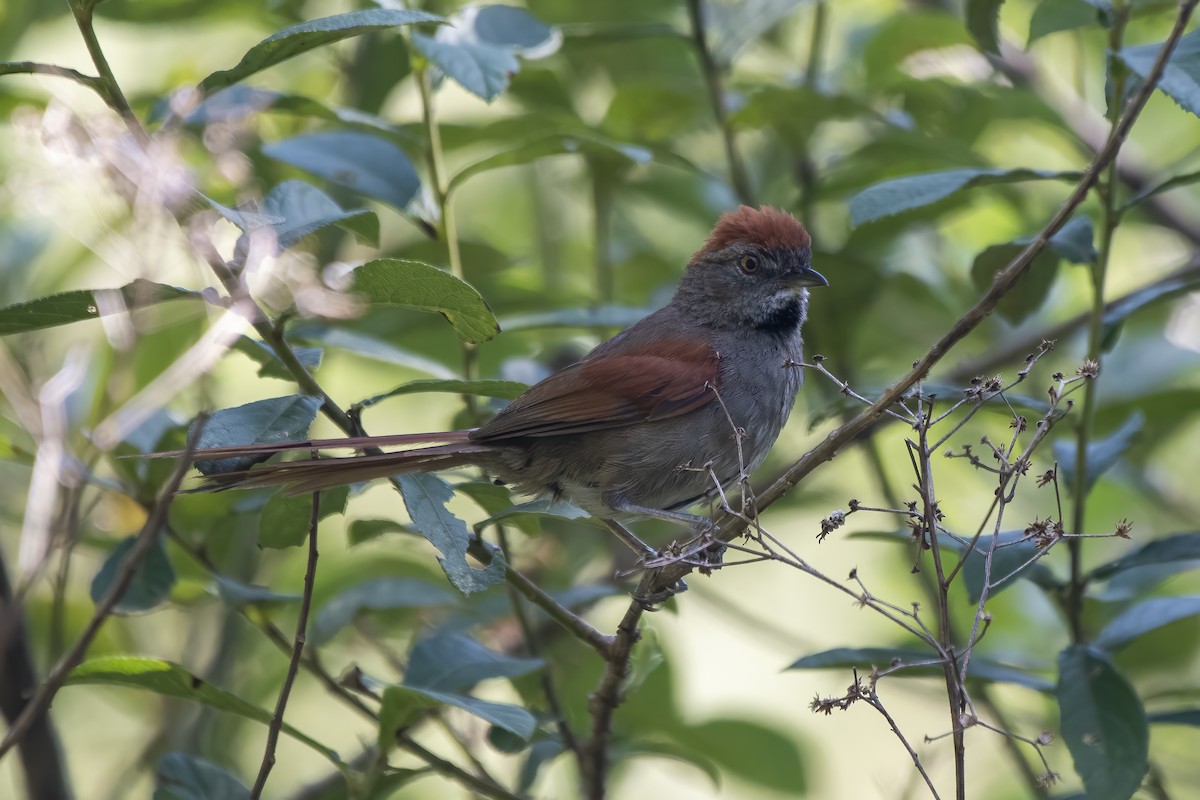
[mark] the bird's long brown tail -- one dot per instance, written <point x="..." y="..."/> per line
<point x="318" y="474"/>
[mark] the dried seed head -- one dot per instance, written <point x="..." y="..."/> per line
<point x="1089" y="369"/>
<point x="1047" y="477"/>
<point x="1123" y="529"/>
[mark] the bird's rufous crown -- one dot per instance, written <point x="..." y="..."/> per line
<point x="765" y="226"/>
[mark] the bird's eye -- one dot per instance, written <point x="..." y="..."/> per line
<point x="749" y="264"/>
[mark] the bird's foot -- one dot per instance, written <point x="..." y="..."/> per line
<point x="653" y="600"/>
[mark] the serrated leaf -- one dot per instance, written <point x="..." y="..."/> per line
<point x="480" y="68"/>
<point x="453" y="662"/>
<point x="425" y="497"/>
<point x="1144" y="617"/>
<point x="180" y="776"/>
<point x="67" y="307"/>
<point x="269" y="365"/>
<point x="152" y="582"/>
<point x="1103" y="724"/>
<point x="863" y="658"/>
<point x="285" y="518"/>
<point x="377" y="594"/>
<point x="505" y="390"/>
<point x="1181" y="79"/>
<point x="422" y="287"/>
<point x="279" y="419"/>
<point x="363" y="162"/>
<point x="305" y="36"/>
<point x="1101" y="454"/>
<point x="171" y="680"/>
<point x="1174" y="548"/>
<point x="897" y="195"/>
<point x="983" y="21"/>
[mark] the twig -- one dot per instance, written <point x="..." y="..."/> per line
<point x="129" y="566"/>
<point x="604" y="701"/>
<point x="712" y="80"/>
<point x="1003" y="283"/>
<point x="310" y="577"/>
<point x="36" y="68"/>
<point x="871" y="698"/>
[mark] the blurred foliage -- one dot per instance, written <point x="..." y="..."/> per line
<point x="434" y="207"/>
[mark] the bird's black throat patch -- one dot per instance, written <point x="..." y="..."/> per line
<point x="783" y="319"/>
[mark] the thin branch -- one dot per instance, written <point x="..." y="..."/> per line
<point x="604" y="701"/>
<point x="310" y="577"/>
<point x="1003" y="283"/>
<point x="146" y="539"/>
<point x="716" y="95"/>
<point x="37" y="68"/>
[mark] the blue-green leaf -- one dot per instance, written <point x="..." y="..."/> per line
<point x="1101" y="454"/>
<point x="366" y="163"/>
<point x="1103" y="724"/>
<point x="180" y="776"/>
<point x="377" y="594"/>
<point x="482" y="69"/>
<point x="1144" y="617"/>
<point x="151" y="583"/>
<point x="452" y="662"/>
<point x="279" y="419"/>
<point x="1181" y="79"/>
<point x="425" y="497"/>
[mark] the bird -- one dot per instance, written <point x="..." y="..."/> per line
<point x="648" y="424"/>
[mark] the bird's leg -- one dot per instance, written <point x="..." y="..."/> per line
<point x="703" y="524"/>
<point x="630" y="539"/>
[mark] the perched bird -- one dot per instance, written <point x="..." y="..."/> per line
<point x="648" y="423"/>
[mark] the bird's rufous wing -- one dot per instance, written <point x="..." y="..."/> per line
<point x="662" y="379"/>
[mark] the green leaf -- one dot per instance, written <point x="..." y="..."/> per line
<point x="238" y="594"/>
<point x="863" y="658"/>
<point x="541" y="753"/>
<point x="402" y="706"/>
<point x="750" y="750"/>
<point x="369" y="347"/>
<point x="452" y="662"/>
<point x="914" y="191"/>
<point x="1101" y="454"/>
<point x="305" y="209"/>
<point x="68" y="307"/>
<point x="983" y="21"/>
<point x="422" y="287"/>
<point x="180" y="776"/>
<point x="1177" y="547"/>
<point x="1183" y="716"/>
<point x="1074" y="241"/>
<point x="505" y="390"/>
<point x="734" y="26"/>
<point x="151" y="584"/>
<point x="364" y="530"/>
<point x="594" y="317"/>
<point x="279" y="419"/>
<point x="675" y="751"/>
<point x="377" y="594"/>
<point x="425" y="497"/>
<point x="285" y="518"/>
<point x="269" y="365"/>
<point x="1103" y="724"/>
<point x="1052" y="16"/>
<point x="297" y="39"/>
<point x="558" y="508"/>
<point x="363" y="162"/>
<point x="574" y="143"/>
<point x="516" y="28"/>
<point x="1123" y="309"/>
<point x="482" y="69"/>
<point x="1144" y="617"/>
<point x="1030" y="293"/>
<point x="172" y="680"/>
<point x="1015" y="552"/>
<point x="1176" y="182"/>
<point x="1181" y="79"/>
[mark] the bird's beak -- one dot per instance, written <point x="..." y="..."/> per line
<point x="807" y="277"/>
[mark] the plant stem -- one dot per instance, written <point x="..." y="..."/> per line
<point x="1109" y="219"/>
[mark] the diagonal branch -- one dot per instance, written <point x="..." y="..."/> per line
<point x="141" y="547"/>
<point x="1006" y="279"/>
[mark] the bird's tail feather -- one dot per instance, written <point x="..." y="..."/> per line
<point x="301" y="477"/>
